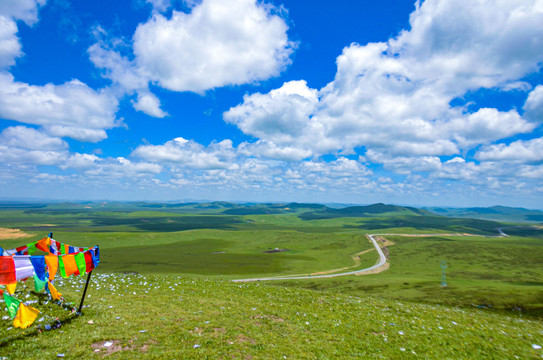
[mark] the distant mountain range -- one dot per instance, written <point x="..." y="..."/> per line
<point x="306" y="211"/>
<point x="497" y="213"/>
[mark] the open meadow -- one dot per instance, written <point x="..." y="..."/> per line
<point x="163" y="289"/>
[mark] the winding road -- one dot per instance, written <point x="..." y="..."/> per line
<point x="382" y="260"/>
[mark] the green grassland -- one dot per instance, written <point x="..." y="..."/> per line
<point x="481" y="271"/>
<point x="173" y="317"/>
<point x="494" y="284"/>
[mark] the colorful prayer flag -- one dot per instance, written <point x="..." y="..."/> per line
<point x="52" y="265"/>
<point x="39" y="284"/>
<point x="38" y="262"/>
<point x="43" y="244"/>
<point x="54" y="293"/>
<point x="10" y="288"/>
<point x="23" y="267"/>
<point x="12" y="304"/>
<point x="7" y="270"/>
<point x="81" y="263"/>
<point x="88" y="261"/>
<point x="25" y="316"/>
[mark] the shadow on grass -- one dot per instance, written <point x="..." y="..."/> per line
<point x="59" y="322"/>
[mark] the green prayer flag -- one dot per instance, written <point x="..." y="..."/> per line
<point x="61" y="267"/>
<point x="81" y="263"/>
<point x="12" y="304"/>
<point x="31" y="249"/>
<point x="38" y="284"/>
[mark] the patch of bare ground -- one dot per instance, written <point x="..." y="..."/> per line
<point x="116" y="346"/>
<point x="356" y="259"/>
<point x="276" y="250"/>
<point x="6" y="233"/>
<point x="377" y="270"/>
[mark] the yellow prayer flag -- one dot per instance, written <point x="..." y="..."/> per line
<point x="54" y="293"/>
<point x="25" y="316"/>
<point x="10" y="288"/>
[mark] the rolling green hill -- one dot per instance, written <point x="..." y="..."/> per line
<point x="498" y="213"/>
<point x="363" y="211"/>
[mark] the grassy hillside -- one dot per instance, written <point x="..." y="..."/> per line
<point x="500" y="273"/>
<point x="163" y="290"/>
<point x="172" y="317"/>
<point x="362" y="211"/>
<point x="497" y="213"/>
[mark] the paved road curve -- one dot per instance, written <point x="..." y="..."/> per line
<point x="382" y="259"/>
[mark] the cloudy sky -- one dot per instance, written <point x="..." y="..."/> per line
<point x="436" y="102"/>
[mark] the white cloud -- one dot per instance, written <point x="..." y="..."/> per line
<point x="116" y="67"/>
<point x="160" y="5"/>
<point x="517" y="86"/>
<point x="10" y="47"/>
<point x="394" y="97"/>
<point x="71" y="109"/>
<point x="534" y="105"/>
<point x="465" y="44"/>
<point x="31" y="139"/>
<point x="10" y="154"/>
<point x="148" y="103"/>
<point x="530" y="151"/>
<point x="486" y="125"/>
<point x="405" y="164"/>
<point x="269" y="150"/>
<point x="218" y="43"/>
<point x="81" y="161"/>
<point x="26" y="10"/>
<point x="23" y="145"/>
<point x="187" y="153"/>
<point x="282" y="115"/>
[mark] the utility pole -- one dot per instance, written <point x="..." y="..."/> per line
<point x="443" y="275"/>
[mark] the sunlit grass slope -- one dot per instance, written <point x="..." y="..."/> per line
<point x="174" y="317"/>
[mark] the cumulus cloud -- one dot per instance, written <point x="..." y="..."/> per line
<point x="68" y="110"/>
<point x="216" y="44"/>
<point x="530" y="151"/>
<point x="394" y="98"/>
<point x="269" y="150"/>
<point x="148" y="103"/>
<point x="486" y="125"/>
<point x="282" y="115"/>
<point x="25" y="10"/>
<point x="121" y="167"/>
<point x="30" y="138"/>
<point x="182" y="152"/>
<point x="10" y="47"/>
<point x="10" y="12"/>
<point x="534" y="105"/>
<point x="23" y="145"/>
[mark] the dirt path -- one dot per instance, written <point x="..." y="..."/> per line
<point x="356" y="259"/>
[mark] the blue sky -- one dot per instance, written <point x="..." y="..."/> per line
<point x="436" y="102"/>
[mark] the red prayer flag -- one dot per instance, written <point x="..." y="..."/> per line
<point x="88" y="261"/>
<point x="7" y="270"/>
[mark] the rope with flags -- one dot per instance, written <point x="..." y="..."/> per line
<point x="20" y="264"/>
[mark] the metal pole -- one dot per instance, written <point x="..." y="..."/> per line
<point x="84" y="292"/>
